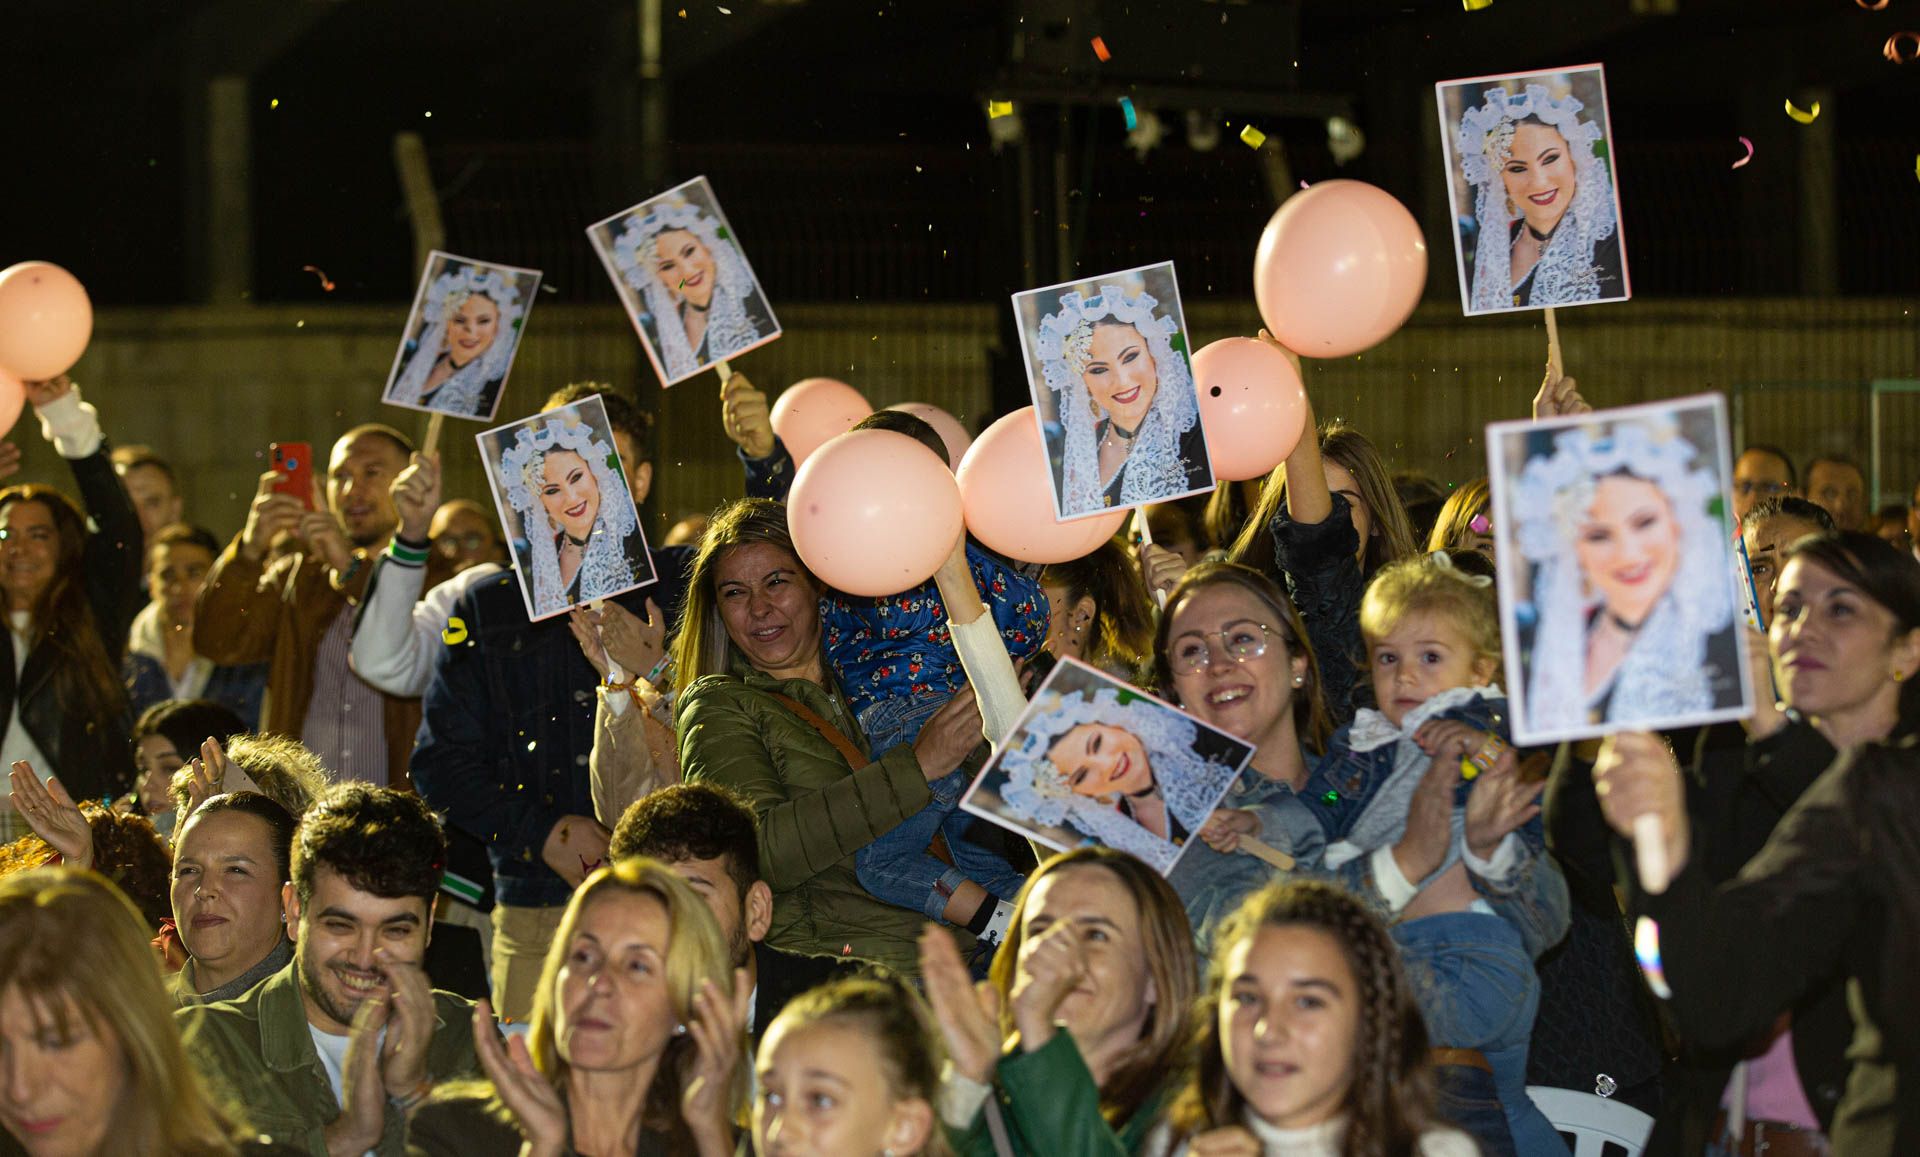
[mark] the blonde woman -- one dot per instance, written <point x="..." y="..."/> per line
<point x="638" y="1032"/>
<point x="91" y="1061"/>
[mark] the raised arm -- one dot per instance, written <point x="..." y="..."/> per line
<point x="748" y="421"/>
<point x="237" y="615"/>
<point x="115" y="544"/>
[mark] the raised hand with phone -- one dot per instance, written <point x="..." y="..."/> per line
<point x="256" y="608"/>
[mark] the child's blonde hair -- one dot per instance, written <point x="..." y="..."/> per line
<point x="1430" y="584"/>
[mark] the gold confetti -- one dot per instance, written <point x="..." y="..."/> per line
<point x="1806" y="116"/>
<point x="455" y="633"/>
<point x="999" y="108"/>
<point x="1253" y="137"/>
<point x="1476" y="5"/>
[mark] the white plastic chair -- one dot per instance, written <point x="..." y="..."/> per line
<point x="1593" y="1121"/>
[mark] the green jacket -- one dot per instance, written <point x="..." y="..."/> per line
<point x="258" y="1059"/>
<point x="815" y="811"/>
<point x="1051" y="1108"/>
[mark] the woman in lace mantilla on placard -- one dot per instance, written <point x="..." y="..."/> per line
<point x="1539" y="185"/>
<point x="700" y="302"/>
<point x="459" y="362"/>
<point x="1126" y="403"/>
<point x="1124" y="774"/>
<point x="1631" y="607"/>
<point x="581" y="528"/>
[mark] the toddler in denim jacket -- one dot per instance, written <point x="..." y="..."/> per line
<point x="1472" y="928"/>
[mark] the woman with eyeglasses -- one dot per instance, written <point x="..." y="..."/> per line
<point x="1232" y="650"/>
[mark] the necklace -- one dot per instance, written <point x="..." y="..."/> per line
<point x="576" y="543"/>
<point x="1624" y="625"/>
<point x="1115" y="429"/>
<point x="699" y="308"/>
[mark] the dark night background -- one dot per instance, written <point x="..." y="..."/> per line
<point x="849" y="146"/>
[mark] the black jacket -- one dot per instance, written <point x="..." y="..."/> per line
<point x="782" y="976"/>
<point x="92" y="755"/>
<point x="1835" y="891"/>
<point x="508" y="725"/>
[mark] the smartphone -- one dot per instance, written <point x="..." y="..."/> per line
<point x="293" y="462"/>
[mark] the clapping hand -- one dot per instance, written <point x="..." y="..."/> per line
<point x="1501" y="802"/>
<point x="719" y="1022"/>
<point x="52" y="815"/>
<point x="968" y="1013"/>
<point x="1051" y="965"/>
<point x="535" y="1104"/>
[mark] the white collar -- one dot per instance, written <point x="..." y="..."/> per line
<point x="1371" y="729"/>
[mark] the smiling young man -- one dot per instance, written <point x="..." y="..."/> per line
<point x="293" y="1054"/>
<point x="297" y="613"/>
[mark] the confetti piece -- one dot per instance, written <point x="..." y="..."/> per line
<point x="455" y="632"/>
<point x="1741" y="163"/>
<point x="1646" y="948"/>
<point x="1126" y="110"/>
<point x="326" y="283"/>
<point x="1806" y="116"/>
<point x="1892" y="50"/>
<point x="1253" y="137"/>
<point x="1476" y="5"/>
<point x="1916" y="165"/>
<point x="999" y="108"/>
<point x="274" y="103"/>
<point x="724" y="11"/>
<point x="1876" y="6"/>
<point x="1100" y="49"/>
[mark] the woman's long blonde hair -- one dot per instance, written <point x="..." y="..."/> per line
<point x="72" y="945"/>
<point x="702" y="646"/>
<point x="696" y="952"/>
<point x="1453" y="529"/>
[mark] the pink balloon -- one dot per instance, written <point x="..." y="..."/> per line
<point x="45" y="320"/>
<point x="13" y="399"/>
<point x="1008" y="496"/>
<point x="874" y="513"/>
<point x="813" y="410"/>
<point x="1252" y="406"/>
<point x="1339" y="268"/>
<point x="944" y="424"/>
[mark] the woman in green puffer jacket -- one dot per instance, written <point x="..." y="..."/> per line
<point x="759" y="713"/>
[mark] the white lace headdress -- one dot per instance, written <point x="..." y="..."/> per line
<point x="1036" y="789"/>
<point x="1065" y="344"/>
<point x="604" y="570"/>
<point x="635" y="254"/>
<point x="461" y="393"/>
<point x="1663" y="674"/>
<point x="1484" y="142"/>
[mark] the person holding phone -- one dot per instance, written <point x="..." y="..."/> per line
<point x="71" y="576"/>
<point x="296" y="613"/>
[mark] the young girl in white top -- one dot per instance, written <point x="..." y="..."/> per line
<point x="1310" y="1043"/>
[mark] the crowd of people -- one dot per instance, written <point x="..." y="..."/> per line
<point x="319" y="844"/>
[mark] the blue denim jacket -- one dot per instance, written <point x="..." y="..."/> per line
<point x="1534" y="899"/>
<point x="1211" y="885"/>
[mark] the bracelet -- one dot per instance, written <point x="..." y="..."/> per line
<point x="610" y="685"/>
<point x="659" y="669"/>
<point x="406" y="553"/>
<point x="414" y="1099"/>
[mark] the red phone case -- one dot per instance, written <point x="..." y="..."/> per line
<point x="293" y="461"/>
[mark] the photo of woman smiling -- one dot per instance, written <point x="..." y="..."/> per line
<point x="461" y="338"/>
<point x="1097" y="761"/>
<point x="1536" y="212"/>
<point x="684" y="281"/>
<point x="1624" y="607"/>
<point x="564" y="502"/>
<point x="1113" y="389"/>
